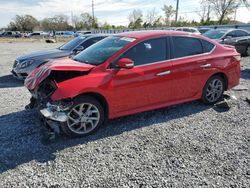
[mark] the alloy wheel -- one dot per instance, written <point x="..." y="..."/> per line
<point x="83" y="118"/>
<point x="214" y="90"/>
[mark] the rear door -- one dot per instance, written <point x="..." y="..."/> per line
<point x="190" y="66"/>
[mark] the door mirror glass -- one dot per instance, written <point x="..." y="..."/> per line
<point x="125" y="63"/>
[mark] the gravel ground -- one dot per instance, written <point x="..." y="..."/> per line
<point x="189" y="145"/>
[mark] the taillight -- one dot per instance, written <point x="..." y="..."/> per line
<point x="237" y="57"/>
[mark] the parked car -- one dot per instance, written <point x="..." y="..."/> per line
<point x="236" y="37"/>
<point x="23" y="65"/>
<point x="79" y="33"/>
<point x="65" y="33"/>
<point x="129" y="73"/>
<point x="188" y="29"/>
<point x="38" y="34"/>
<point x="203" y="29"/>
<point x="13" y="34"/>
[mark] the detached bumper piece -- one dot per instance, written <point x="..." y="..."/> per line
<point x="56" y="116"/>
<point x="55" y="112"/>
<point x="52" y="116"/>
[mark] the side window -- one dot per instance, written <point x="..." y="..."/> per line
<point x="207" y="46"/>
<point x="91" y="41"/>
<point x="149" y="51"/>
<point x="241" y="33"/>
<point x="186" y="46"/>
<point x="232" y="34"/>
<point x="186" y="30"/>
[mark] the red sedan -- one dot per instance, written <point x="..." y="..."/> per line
<point x="129" y="73"/>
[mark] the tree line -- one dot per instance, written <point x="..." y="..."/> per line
<point x="222" y="10"/>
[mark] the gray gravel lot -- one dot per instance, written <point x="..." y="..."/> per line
<point x="189" y="145"/>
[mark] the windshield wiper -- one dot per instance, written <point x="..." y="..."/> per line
<point x="86" y="62"/>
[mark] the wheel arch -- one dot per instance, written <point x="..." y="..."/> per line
<point x="224" y="77"/>
<point x="100" y="98"/>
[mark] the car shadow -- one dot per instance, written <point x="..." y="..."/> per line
<point x="8" y="81"/>
<point x="245" y="74"/>
<point x="21" y="133"/>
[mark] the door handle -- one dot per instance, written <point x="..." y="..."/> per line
<point x="206" y="65"/>
<point x="163" y="73"/>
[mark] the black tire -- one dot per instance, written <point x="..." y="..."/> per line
<point x="205" y="97"/>
<point x="247" y="53"/>
<point x="83" y="100"/>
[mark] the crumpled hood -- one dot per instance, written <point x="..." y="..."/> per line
<point x="47" y="54"/>
<point x="41" y="73"/>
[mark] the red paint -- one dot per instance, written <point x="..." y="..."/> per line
<point x="129" y="91"/>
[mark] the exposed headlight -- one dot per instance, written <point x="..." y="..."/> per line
<point x="25" y="64"/>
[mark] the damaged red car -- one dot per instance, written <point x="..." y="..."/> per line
<point x="129" y="73"/>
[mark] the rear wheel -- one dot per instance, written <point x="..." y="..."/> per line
<point x="213" y="90"/>
<point x="85" y="117"/>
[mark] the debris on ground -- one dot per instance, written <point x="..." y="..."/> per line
<point x="240" y="88"/>
<point x="223" y="104"/>
<point x="50" y="41"/>
<point x="248" y="100"/>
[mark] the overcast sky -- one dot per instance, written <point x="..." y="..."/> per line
<point x="113" y="11"/>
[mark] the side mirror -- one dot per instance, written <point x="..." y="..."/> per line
<point x="125" y="63"/>
<point x="227" y="37"/>
<point x="78" y="49"/>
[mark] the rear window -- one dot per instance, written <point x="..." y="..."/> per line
<point x="207" y="46"/>
<point x="186" y="46"/>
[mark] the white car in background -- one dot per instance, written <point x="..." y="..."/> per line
<point x="188" y="29"/>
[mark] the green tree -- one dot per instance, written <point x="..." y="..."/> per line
<point x="135" y="19"/>
<point x="23" y="23"/>
<point x="58" y="22"/>
<point x="225" y="8"/>
<point x="152" y="18"/>
<point x="87" y="21"/>
<point x="169" y="11"/>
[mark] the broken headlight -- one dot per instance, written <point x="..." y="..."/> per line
<point x="25" y="64"/>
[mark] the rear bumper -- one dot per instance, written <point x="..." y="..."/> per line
<point x="234" y="76"/>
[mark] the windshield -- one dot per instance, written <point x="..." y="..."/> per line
<point x="215" y="34"/>
<point x="72" y="44"/>
<point x="101" y="51"/>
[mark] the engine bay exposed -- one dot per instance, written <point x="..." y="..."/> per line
<point x="42" y="93"/>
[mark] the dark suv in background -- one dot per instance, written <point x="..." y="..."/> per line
<point x="235" y="37"/>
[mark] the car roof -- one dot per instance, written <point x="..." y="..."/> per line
<point x="152" y="33"/>
<point x="94" y="35"/>
<point x="186" y="28"/>
<point x="230" y="29"/>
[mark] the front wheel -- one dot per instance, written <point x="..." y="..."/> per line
<point x="84" y="117"/>
<point x="213" y="90"/>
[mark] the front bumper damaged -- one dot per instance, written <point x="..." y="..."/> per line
<point x="54" y="115"/>
<point x="56" y="112"/>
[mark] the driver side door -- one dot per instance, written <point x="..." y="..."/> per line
<point x="148" y="82"/>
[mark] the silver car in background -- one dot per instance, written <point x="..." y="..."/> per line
<point x="23" y="65"/>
